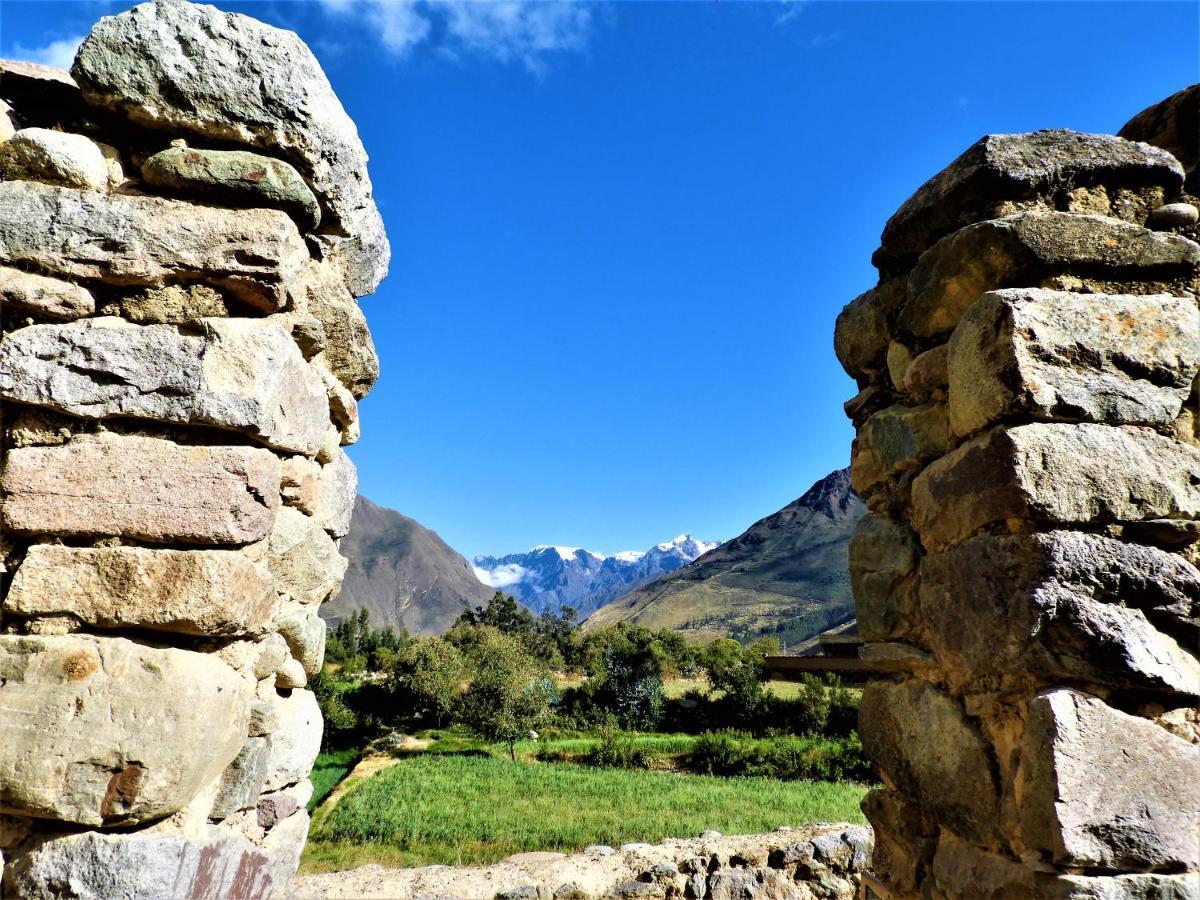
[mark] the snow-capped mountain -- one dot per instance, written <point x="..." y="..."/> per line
<point x="551" y="577"/>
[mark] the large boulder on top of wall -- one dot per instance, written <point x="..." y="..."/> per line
<point x="96" y="866"/>
<point x="140" y="487"/>
<point x="1101" y="789"/>
<point x="1064" y="606"/>
<point x="105" y="731"/>
<point x="1023" y="249"/>
<point x="239" y="374"/>
<point x="1016" y="167"/>
<point x="927" y="749"/>
<point x="192" y="70"/>
<point x="1056" y="474"/>
<point x="1173" y="125"/>
<point x="253" y="254"/>
<point x="215" y="593"/>
<point x="40" y="95"/>
<point x="1109" y="358"/>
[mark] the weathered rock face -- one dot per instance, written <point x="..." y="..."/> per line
<point x="180" y="358"/>
<point x="1026" y="581"/>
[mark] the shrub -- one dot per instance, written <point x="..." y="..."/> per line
<point x="719" y="753"/>
<point x="619" y="750"/>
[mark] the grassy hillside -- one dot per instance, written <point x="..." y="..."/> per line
<point x="786" y="575"/>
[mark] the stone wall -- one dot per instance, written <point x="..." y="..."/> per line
<point x="1028" y="443"/>
<point x="185" y="222"/>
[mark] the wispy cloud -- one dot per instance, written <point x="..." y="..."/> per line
<point x="59" y="54"/>
<point x="528" y="32"/>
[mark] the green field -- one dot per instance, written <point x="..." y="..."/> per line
<point x="328" y="770"/>
<point x="457" y="809"/>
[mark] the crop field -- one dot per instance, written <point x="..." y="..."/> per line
<point x="465" y="808"/>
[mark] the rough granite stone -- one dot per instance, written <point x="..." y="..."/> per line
<point x="219" y="593"/>
<point x="242" y="780"/>
<point x="295" y="741"/>
<point x="238" y="374"/>
<point x="349" y="352"/>
<point x="104" y="731"/>
<point x="883" y="559"/>
<point x="191" y="69"/>
<point x="1002" y="167"/>
<point x="863" y="329"/>
<point x="1058" y="475"/>
<point x="922" y="742"/>
<point x="339" y="488"/>
<point x="1101" y="789"/>
<point x="303" y="558"/>
<point x="1172" y="125"/>
<point x="1063" y="607"/>
<point x="896" y="440"/>
<point x="305" y="632"/>
<point x="140" y="487"/>
<point x="253" y="254"/>
<point x="1024" y="249"/>
<point x="1054" y="355"/>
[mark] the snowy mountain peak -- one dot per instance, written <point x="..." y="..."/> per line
<point x="551" y="576"/>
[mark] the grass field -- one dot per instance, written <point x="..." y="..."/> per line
<point x="328" y="770"/>
<point x="456" y="809"/>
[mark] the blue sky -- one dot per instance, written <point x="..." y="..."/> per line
<point x="622" y="232"/>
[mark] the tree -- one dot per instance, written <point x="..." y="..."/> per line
<point x="738" y="671"/>
<point x="510" y="693"/>
<point x="431" y="672"/>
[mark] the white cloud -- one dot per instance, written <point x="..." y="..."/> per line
<point x="59" y="54"/>
<point x="501" y="576"/>
<point x="524" y="31"/>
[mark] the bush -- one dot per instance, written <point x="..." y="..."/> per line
<point x="619" y="750"/>
<point x="719" y="753"/>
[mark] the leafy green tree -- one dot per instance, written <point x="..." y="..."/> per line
<point x="738" y="671"/>
<point x="510" y="693"/>
<point x="430" y="673"/>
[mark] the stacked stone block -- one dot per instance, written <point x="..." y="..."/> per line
<point x="185" y="223"/>
<point x="1028" y="444"/>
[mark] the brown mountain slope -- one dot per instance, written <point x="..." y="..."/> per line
<point x="785" y="575"/>
<point x="402" y="572"/>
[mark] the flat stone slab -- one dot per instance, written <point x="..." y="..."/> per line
<point x="152" y="64"/>
<point x="239" y="374"/>
<point x="1115" y="359"/>
<point x="52" y="298"/>
<point x="216" y="593"/>
<point x="145" y="488"/>
<point x="104" y="731"/>
<point x="149" y="241"/>
<point x="1022" y="250"/>
<point x="1060" y="475"/>
<point x="1002" y="167"/>
<point x="1101" y="789"/>
<point x="1064" y="606"/>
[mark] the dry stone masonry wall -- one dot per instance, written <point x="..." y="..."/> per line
<point x="1028" y="442"/>
<point x="185" y="223"/>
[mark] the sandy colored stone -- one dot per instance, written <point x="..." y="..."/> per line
<point x="139" y="487"/>
<point x="1014" y="167"/>
<point x="103" y="731"/>
<point x="295" y="741"/>
<point x="1054" y="355"/>
<point x="1060" y="475"/>
<point x="54" y="157"/>
<point x="305" y="632"/>
<point x="929" y="371"/>
<point x="202" y="592"/>
<point x="345" y="338"/>
<point x="1101" y="789"/>
<point x="150" y="241"/>
<point x="152" y="64"/>
<point x="174" y="304"/>
<point x="236" y="178"/>
<point x="303" y="559"/>
<point x="339" y="488"/>
<point x="52" y="298"/>
<point x="300" y="484"/>
<point x="1025" y="249"/>
<point x="238" y="374"/>
<point x="1063" y="607"/>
